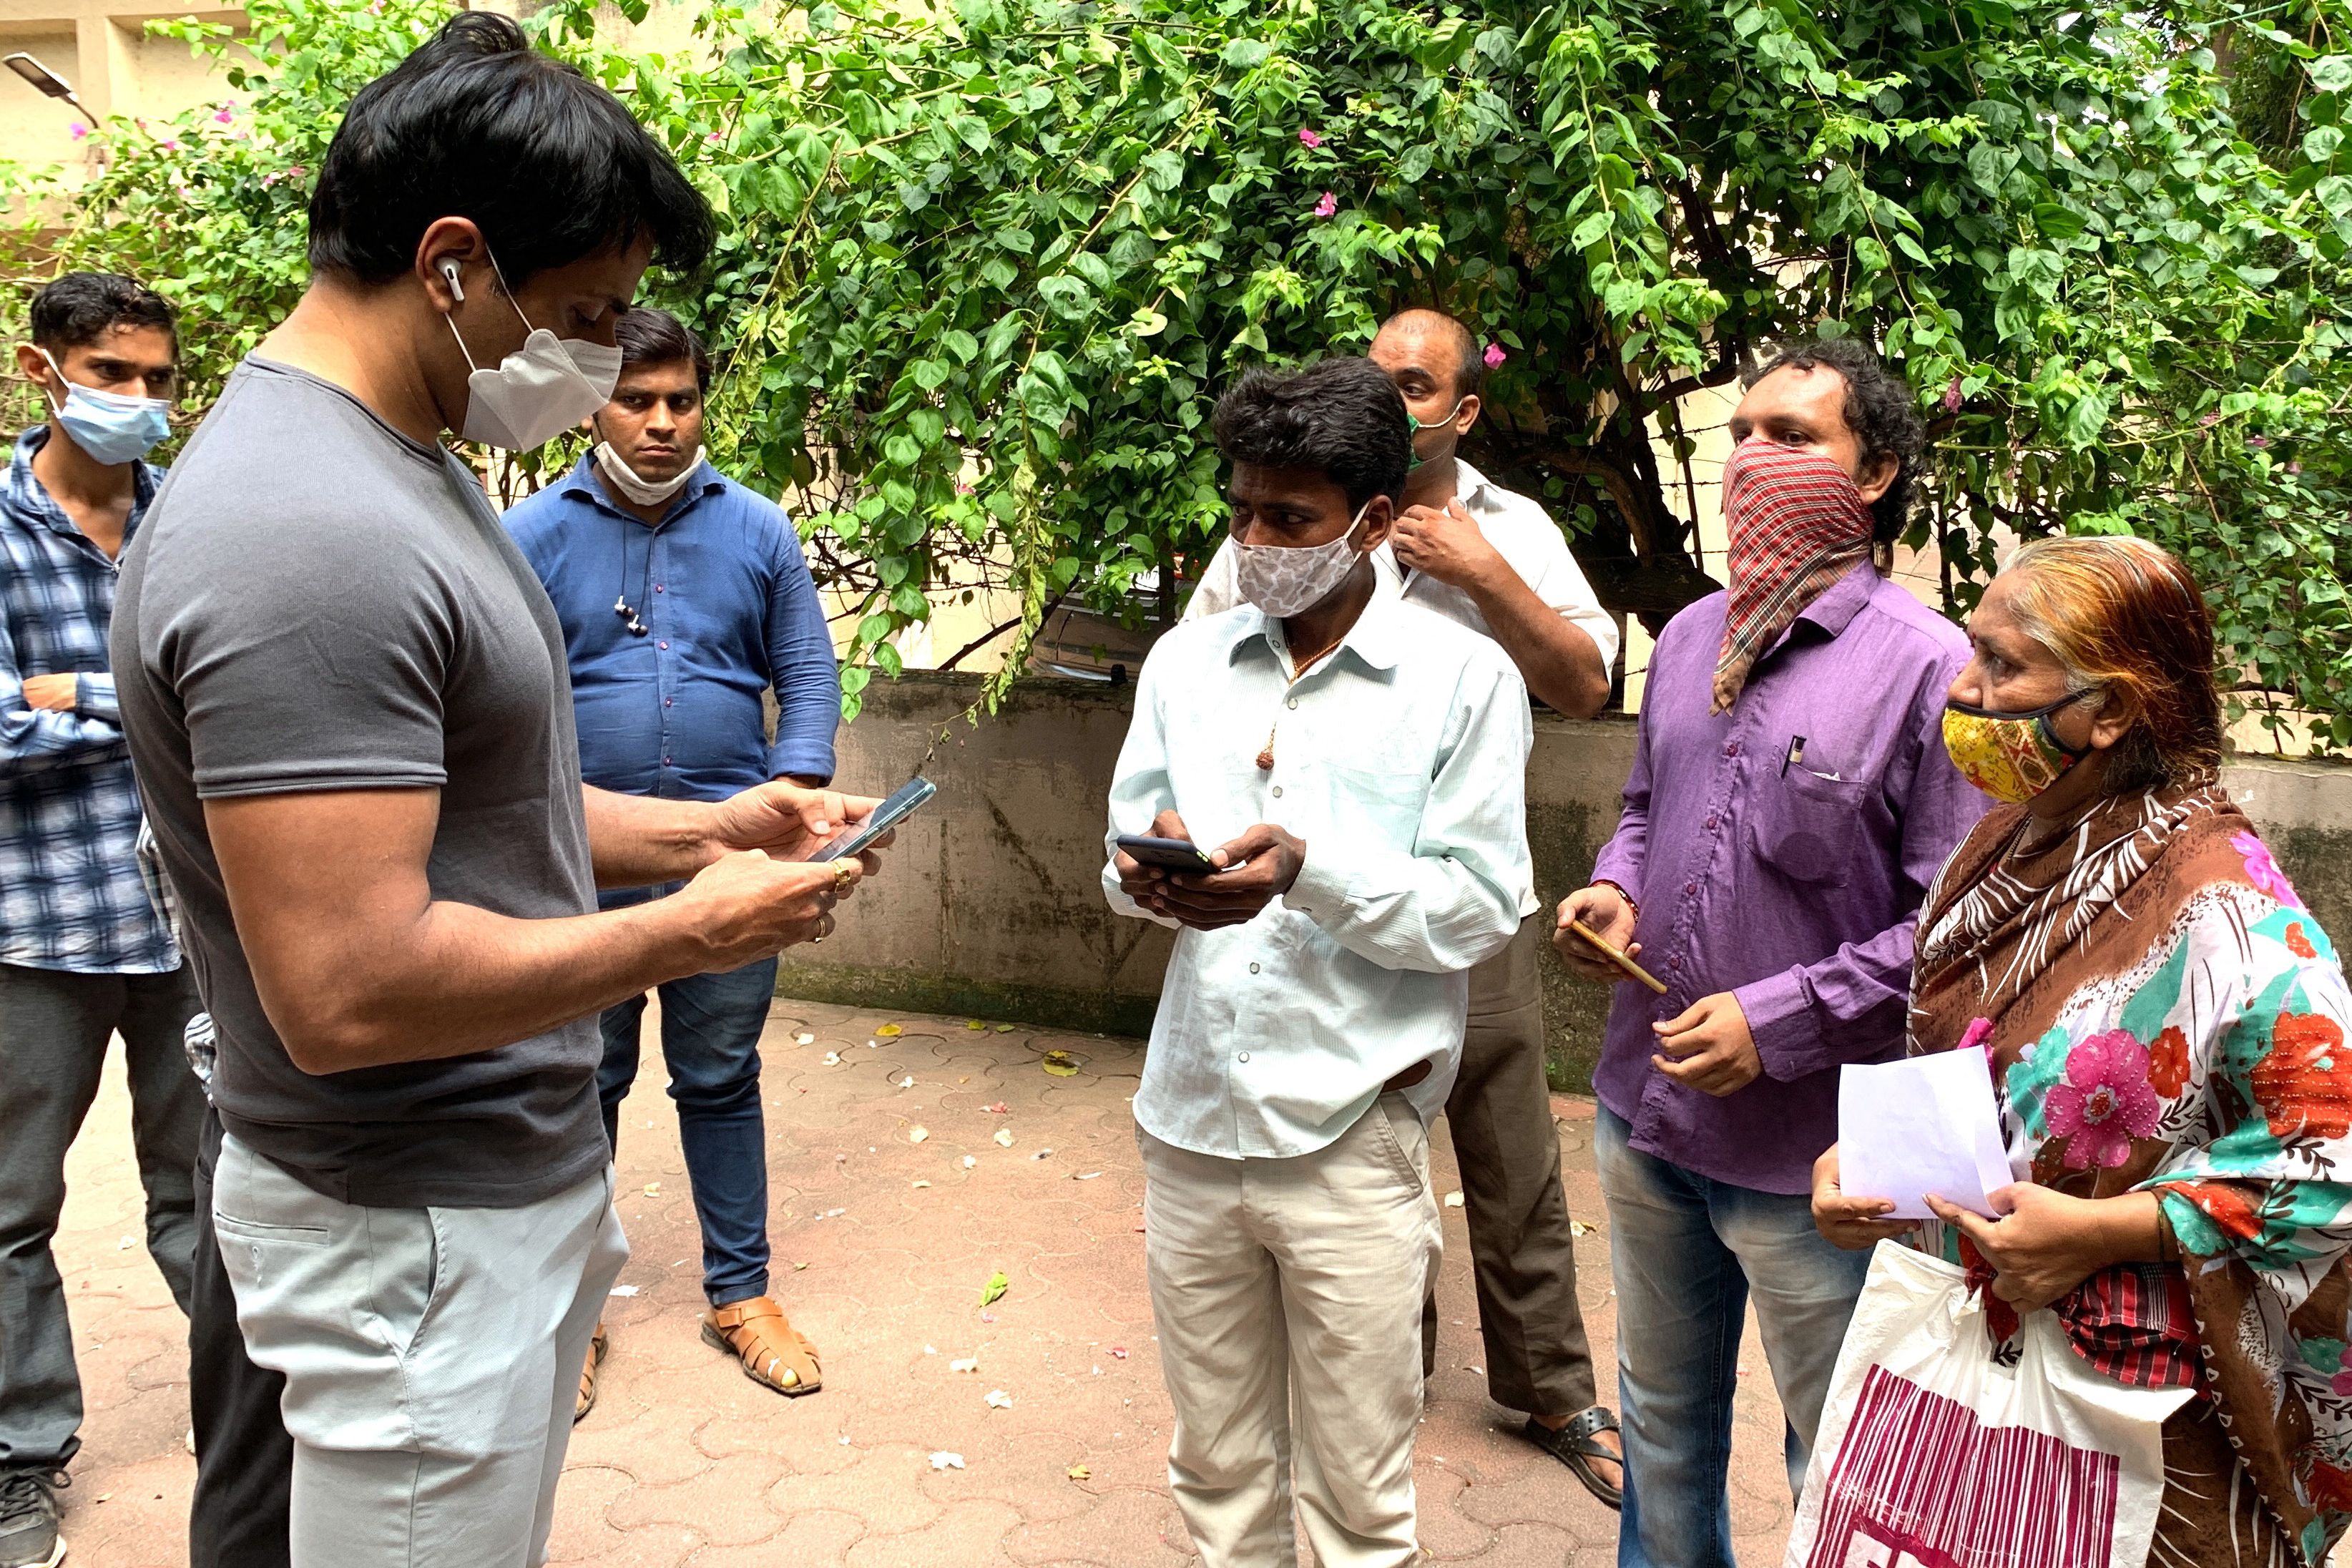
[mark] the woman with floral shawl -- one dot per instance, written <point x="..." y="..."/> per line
<point x="2166" y="1024"/>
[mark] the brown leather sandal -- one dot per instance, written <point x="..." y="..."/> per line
<point x="763" y="1340"/>
<point x="598" y="1348"/>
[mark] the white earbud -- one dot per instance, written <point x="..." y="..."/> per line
<point x="449" y="270"/>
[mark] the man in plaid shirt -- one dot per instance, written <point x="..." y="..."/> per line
<point x="85" y="953"/>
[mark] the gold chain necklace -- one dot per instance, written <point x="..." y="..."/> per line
<point x="1266" y="756"/>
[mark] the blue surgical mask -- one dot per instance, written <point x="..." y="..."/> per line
<point x="109" y="426"/>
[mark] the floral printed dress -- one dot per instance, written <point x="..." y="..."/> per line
<point x="2163" y="1014"/>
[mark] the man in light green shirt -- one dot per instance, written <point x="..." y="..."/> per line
<point x="1354" y="765"/>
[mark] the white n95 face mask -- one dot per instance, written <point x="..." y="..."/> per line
<point x="1282" y="581"/>
<point x="537" y="392"/>
<point x="644" y="491"/>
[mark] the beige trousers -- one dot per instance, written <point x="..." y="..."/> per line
<point x="1288" y="1296"/>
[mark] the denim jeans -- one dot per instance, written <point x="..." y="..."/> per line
<point x="710" y="1038"/>
<point x="1687" y="1252"/>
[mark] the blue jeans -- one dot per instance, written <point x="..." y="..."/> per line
<point x="711" y="1038"/>
<point x="1688" y="1251"/>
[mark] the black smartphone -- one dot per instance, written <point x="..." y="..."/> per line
<point x="1167" y="853"/>
<point x="888" y="816"/>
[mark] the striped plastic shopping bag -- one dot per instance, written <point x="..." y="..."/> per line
<point x="1933" y="1454"/>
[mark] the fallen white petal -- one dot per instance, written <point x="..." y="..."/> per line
<point x="943" y="1460"/>
<point x="622" y="1290"/>
<point x="999" y="1400"/>
<point x="1003" y="1141"/>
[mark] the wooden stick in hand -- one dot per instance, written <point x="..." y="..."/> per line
<point x="1617" y="957"/>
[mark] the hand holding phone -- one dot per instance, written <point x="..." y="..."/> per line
<point x="1166" y="854"/>
<point x="878" y="822"/>
<point x="1226" y="887"/>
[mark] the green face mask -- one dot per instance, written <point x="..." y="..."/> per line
<point x="1417" y="427"/>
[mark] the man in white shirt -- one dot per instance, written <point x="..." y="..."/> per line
<point x="1495" y="561"/>
<point x="1353" y="765"/>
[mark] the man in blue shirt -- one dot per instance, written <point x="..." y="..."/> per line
<point x="684" y="599"/>
<point x="84" y="954"/>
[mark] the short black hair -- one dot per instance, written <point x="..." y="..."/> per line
<point x="1342" y="417"/>
<point x="648" y="336"/>
<point x="1879" y="410"/>
<point x="476" y="124"/>
<point x="76" y="310"/>
<point x="1470" y="363"/>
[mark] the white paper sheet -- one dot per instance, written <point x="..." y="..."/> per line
<point x="1924" y="1124"/>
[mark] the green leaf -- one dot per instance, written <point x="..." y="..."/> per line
<point x="2331" y="73"/>
<point x="994" y="1290"/>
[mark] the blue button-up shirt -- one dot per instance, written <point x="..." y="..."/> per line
<point x="723" y="588"/>
<point x="1781" y="852"/>
<point x="70" y="894"/>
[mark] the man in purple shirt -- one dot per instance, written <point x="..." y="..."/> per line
<point x="1791" y="800"/>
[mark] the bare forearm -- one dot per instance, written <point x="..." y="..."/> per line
<point x="635" y="841"/>
<point x="1559" y="662"/>
<point x="2126" y="1228"/>
<point x="460" y="980"/>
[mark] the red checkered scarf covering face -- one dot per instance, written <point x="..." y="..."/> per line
<point x="1797" y="525"/>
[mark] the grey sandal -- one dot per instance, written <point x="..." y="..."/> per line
<point x="1576" y="1446"/>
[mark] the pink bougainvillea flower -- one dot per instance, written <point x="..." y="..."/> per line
<point x="1327" y="205"/>
<point x="1308" y="138"/>
<point x="1952" y="396"/>
<point x="712" y="139"/>
<point x="225" y="114"/>
<point x="78" y="130"/>
<point x="2258" y="442"/>
<point x="2105" y="1101"/>
<point x="170" y="145"/>
<point x="2264" y="871"/>
<point x="1494" y="356"/>
<point x="2295" y="467"/>
<point x="2211" y="416"/>
<point x="1978" y="1034"/>
<point x="296" y="171"/>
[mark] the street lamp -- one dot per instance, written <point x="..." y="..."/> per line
<point x="42" y="79"/>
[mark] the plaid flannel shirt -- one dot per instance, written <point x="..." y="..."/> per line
<point x="71" y="895"/>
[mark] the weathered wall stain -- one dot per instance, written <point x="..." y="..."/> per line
<point x="990" y="906"/>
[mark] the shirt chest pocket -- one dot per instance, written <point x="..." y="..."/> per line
<point x="1806" y="826"/>
<point x="1374" y="805"/>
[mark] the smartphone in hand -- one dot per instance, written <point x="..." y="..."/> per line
<point x="1167" y="853"/>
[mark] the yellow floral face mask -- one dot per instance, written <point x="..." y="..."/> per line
<point x="2012" y="757"/>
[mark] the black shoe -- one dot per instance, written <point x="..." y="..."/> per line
<point x="29" y="1519"/>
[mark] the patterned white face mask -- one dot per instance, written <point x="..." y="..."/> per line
<point x="1283" y="580"/>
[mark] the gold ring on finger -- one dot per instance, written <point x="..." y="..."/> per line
<point x="844" y="875"/>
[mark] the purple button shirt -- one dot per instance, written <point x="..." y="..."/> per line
<point x="1793" y="884"/>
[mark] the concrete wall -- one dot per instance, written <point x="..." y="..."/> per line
<point x="992" y="906"/>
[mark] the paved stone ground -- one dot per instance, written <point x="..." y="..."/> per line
<point x="883" y="1245"/>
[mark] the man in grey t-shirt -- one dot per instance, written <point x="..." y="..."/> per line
<point x="346" y="698"/>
